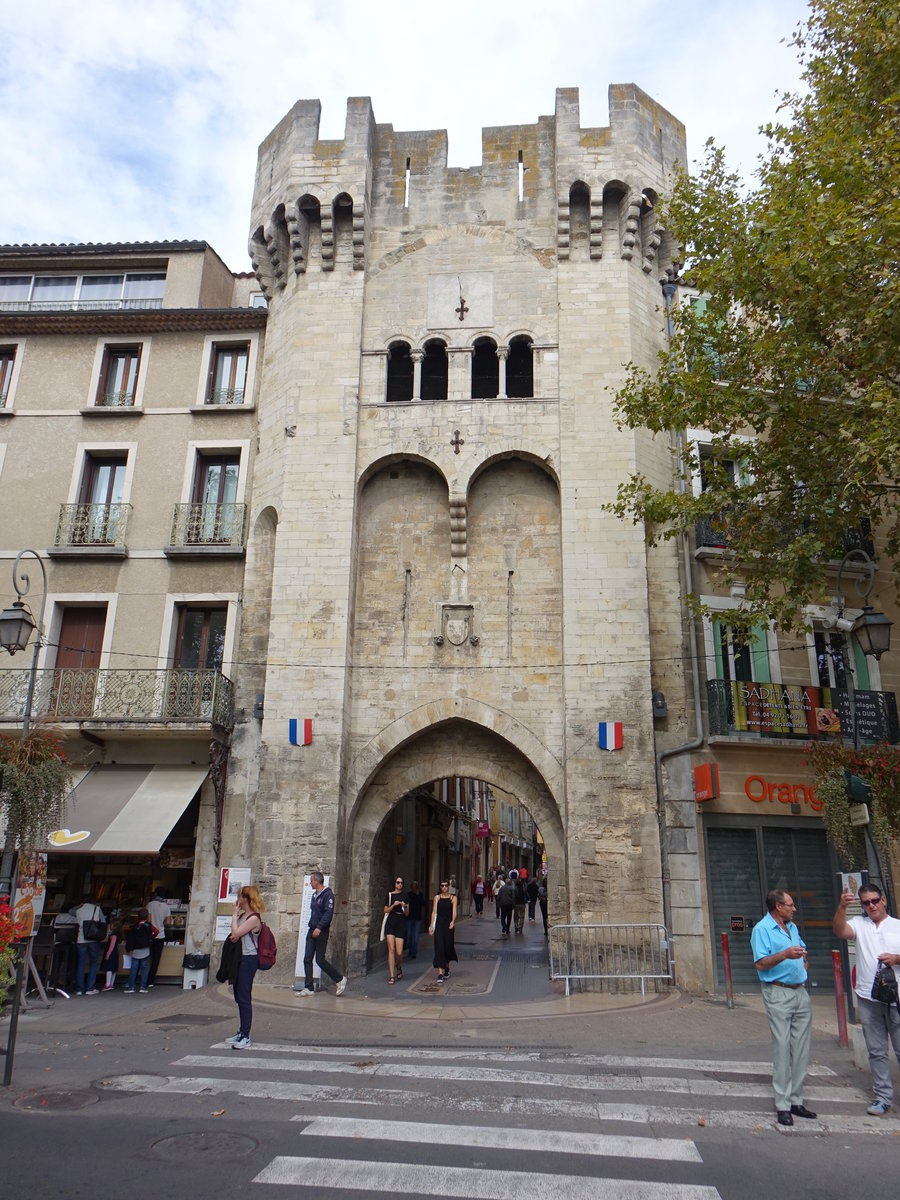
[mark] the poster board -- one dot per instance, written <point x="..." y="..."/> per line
<point x="30" y="891"/>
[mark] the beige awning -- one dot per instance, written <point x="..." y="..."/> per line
<point x="126" y="810"/>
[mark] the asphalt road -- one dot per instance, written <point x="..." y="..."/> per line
<point x="488" y="1093"/>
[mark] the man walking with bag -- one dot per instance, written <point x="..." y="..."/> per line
<point x="877" y="938"/>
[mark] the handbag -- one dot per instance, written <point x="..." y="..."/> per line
<point x="884" y="986"/>
<point x="94" y="930"/>
<point x="384" y="922"/>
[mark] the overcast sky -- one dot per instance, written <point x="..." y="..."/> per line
<point x="126" y="121"/>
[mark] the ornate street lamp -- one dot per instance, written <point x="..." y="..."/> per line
<point x="17" y="625"/>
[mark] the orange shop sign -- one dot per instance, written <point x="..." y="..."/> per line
<point x="776" y="791"/>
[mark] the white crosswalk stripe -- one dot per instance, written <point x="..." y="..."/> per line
<point x="351" y="1104"/>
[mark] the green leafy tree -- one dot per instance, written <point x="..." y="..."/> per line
<point x="792" y="361"/>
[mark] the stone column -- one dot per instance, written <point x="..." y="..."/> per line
<point x="502" y="355"/>
<point x="417" y="356"/>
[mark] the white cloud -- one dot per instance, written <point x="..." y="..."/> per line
<point x="127" y="121"/>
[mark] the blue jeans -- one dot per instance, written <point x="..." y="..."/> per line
<point x="142" y="965"/>
<point x="880" y="1024"/>
<point x="243" y="990"/>
<point x="91" y="951"/>
<point x="413" y="929"/>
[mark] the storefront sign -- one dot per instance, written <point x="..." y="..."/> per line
<point x="737" y="925"/>
<point x="761" y="790"/>
<point x="811" y="711"/>
<point x="31" y="888"/>
<point x="706" y="782"/>
<point x="483" y="830"/>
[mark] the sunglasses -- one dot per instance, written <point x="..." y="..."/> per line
<point x="871" y="903"/>
<point x="445" y="885"/>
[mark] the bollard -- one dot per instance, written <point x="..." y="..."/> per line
<point x="839" y="998"/>
<point x="726" y="962"/>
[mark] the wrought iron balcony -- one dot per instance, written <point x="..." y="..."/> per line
<point x="775" y="710"/>
<point x="711" y="532"/>
<point x="175" y="694"/>
<point x="226" y="396"/>
<point x="100" y="525"/>
<point x="195" y="526"/>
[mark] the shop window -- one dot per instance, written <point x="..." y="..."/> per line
<point x="399" y="373"/>
<point x="485" y="370"/>
<point x="119" y="376"/>
<point x="520" y="368"/>
<point x="434" y="371"/>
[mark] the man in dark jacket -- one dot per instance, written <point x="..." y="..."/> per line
<point x="507" y="901"/>
<point x="321" y="910"/>
<point x="531" y="891"/>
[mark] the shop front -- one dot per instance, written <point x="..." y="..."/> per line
<point x="131" y="830"/>
<point x="764" y="831"/>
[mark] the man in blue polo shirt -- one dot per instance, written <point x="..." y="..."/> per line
<point x="779" y="955"/>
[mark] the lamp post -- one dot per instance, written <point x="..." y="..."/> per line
<point x="17" y="625"/>
<point x="873" y="633"/>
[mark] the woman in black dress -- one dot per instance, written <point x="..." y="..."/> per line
<point x="443" y="922"/>
<point x="395" y="930"/>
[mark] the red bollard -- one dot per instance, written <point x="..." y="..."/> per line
<point x="726" y="962"/>
<point x="839" y="997"/>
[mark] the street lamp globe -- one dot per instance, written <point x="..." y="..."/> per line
<point x="16" y="627"/>
<point x="873" y="632"/>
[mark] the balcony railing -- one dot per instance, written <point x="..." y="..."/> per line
<point x="226" y="396"/>
<point x="208" y="525"/>
<point x="712" y="533"/>
<point x="92" y="525"/>
<point x="138" y="303"/>
<point x="113" y="399"/>
<point x="775" y="710"/>
<point x="88" y="694"/>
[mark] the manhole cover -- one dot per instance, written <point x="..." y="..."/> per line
<point x="220" y="1145"/>
<point x="55" y="1101"/>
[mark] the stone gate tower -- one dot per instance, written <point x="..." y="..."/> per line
<point x="431" y="577"/>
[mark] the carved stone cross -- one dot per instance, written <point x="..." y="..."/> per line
<point x="462" y="309"/>
<point x="456" y="441"/>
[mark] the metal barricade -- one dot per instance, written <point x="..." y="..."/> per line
<point x="610" y="954"/>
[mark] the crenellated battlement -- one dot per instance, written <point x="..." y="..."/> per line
<point x="318" y="204"/>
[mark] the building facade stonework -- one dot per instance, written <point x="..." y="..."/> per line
<point x="431" y="575"/>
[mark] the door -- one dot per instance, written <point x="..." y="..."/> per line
<point x="77" y="661"/>
<point x="215" y="493"/>
<point x="199" y="649"/>
<point x="101" y="500"/>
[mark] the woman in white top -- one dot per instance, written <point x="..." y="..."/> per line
<point x="246" y="922"/>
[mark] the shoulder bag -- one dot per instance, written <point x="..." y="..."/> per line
<point x="94" y="930"/>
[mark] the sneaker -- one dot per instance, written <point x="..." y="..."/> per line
<point x="339" y="990"/>
<point x="232" y="1041"/>
<point x="879" y="1108"/>
<point x="92" y="992"/>
<point x="79" y="993"/>
<point x="144" y="991"/>
<point x="129" y="991"/>
<point x="110" y="987"/>
<point x="241" y="1043"/>
<point x="305" y="992"/>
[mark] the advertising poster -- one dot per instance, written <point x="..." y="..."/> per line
<point x="31" y="888"/>
<point x="231" y="880"/>
<point x="304" y="925"/>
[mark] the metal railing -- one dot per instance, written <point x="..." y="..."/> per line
<point x="90" y="694"/>
<point x="776" y="710"/>
<point x="226" y="396"/>
<point x="92" y="525"/>
<point x="113" y="305"/>
<point x="610" y="954"/>
<point x="113" y="399"/>
<point x="208" y="525"/>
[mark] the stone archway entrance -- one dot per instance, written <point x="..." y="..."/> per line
<point x="456" y="746"/>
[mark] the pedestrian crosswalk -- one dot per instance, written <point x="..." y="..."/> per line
<point x="476" y="1122"/>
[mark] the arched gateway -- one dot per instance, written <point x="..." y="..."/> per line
<point x="456" y="737"/>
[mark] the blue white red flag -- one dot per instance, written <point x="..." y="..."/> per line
<point x="610" y="735"/>
<point x="300" y="731"/>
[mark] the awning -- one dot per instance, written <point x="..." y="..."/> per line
<point x="126" y="810"/>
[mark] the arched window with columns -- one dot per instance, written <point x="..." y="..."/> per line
<point x="520" y="367"/>
<point x="434" y="370"/>
<point x="399" y="373"/>
<point x="485" y="370"/>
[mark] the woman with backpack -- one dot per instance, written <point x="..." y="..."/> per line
<point x="246" y="922"/>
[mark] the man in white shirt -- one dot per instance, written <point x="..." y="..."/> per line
<point x="161" y="917"/>
<point x="877" y="938"/>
